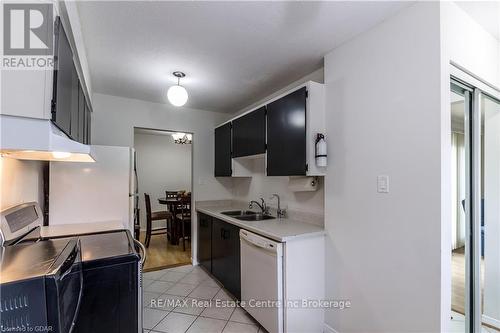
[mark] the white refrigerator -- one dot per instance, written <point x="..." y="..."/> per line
<point x="100" y="192"/>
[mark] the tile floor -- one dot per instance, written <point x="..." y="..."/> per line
<point x="187" y="299"/>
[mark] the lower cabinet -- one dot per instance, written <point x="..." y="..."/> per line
<point x="224" y="252"/>
<point x="205" y="241"/>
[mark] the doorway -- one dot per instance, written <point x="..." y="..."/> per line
<point x="475" y="219"/>
<point x="164" y="186"/>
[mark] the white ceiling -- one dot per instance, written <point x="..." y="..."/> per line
<point x="486" y="13"/>
<point x="233" y="53"/>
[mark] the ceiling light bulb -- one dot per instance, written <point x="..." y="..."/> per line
<point x="61" y="154"/>
<point x="177" y="95"/>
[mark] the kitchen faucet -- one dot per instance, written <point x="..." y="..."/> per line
<point x="263" y="207"/>
<point x="280" y="213"/>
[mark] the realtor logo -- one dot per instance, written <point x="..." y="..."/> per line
<point x="28" y="29"/>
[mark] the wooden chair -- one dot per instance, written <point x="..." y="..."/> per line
<point x="183" y="218"/>
<point x="154" y="216"/>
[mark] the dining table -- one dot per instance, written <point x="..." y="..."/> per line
<point x="170" y="203"/>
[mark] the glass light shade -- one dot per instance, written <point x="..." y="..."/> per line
<point x="177" y="95"/>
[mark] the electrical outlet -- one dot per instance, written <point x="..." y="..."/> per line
<point x="383" y="184"/>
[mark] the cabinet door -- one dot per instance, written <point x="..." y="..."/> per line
<point x="249" y="133"/>
<point x="286" y="135"/>
<point x="88" y="124"/>
<point x="205" y="241"/>
<point x="75" y="92"/>
<point x="226" y="256"/>
<point x="63" y="83"/>
<point x="223" y="151"/>
<point x="81" y="115"/>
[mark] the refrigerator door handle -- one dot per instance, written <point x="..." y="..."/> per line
<point x="142" y="251"/>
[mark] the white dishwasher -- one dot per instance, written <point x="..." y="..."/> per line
<point x="262" y="280"/>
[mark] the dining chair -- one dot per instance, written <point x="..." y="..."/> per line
<point x="154" y="216"/>
<point x="183" y="217"/>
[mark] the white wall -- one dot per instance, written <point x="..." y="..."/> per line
<point x="113" y="123"/>
<point x="384" y="118"/>
<point x="161" y="165"/>
<point x="20" y="181"/>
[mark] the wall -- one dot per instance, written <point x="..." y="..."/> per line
<point x="383" y="103"/>
<point x="259" y="185"/>
<point x="113" y="123"/>
<point x="161" y="165"/>
<point x="20" y="181"/>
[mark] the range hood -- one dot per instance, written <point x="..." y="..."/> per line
<point x="39" y="139"/>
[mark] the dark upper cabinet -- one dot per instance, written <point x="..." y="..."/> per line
<point x="69" y="105"/>
<point x="64" y="75"/>
<point x="205" y="241"/>
<point x="286" y="135"/>
<point x="226" y="256"/>
<point x="81" y="115"/>
<point x="223" y="151"/>
<point x="249" y="133"/>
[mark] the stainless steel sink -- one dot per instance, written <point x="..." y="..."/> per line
<point x="247" y="215"/>
<point x="254" y="217"/>
<point x="239" y="213"/>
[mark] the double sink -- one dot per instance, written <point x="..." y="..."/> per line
<point x="247" y="215"/>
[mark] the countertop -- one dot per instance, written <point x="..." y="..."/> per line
<point x="79" y="228"/>
<point x="281" y="230"/>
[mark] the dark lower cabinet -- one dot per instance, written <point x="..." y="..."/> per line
<point x="286" y="135"/>
<point x="219" y="251"/>
<point x="226" y="256"/>
<point x="205" y="241"/>
<point x="223" y="151"/>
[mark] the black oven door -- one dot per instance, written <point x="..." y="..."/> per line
<point x="64" y="289"/>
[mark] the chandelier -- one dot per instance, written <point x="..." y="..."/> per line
<point x="182" y="138"/>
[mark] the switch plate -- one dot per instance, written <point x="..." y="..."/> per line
<point x="383" y="184"/>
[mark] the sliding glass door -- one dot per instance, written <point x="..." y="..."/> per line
<point x="475" y="220"/>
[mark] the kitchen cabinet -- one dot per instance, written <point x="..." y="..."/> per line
<point x="249" y="133"/>
<point x="223" y="151"/>
<point x="286" y="135"/>
<point x="69" y="103"/>
<point x="226" y="255"/>
<point x="205" y="241"/>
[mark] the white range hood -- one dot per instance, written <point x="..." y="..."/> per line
<point x="39" y="139"/>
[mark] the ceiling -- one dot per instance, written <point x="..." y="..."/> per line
<point x="233" y="53"/>
<point x="485" y="13"/>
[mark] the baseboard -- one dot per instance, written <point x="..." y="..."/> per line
<point x="491" y="321"/>
<point x="329" y="329"/>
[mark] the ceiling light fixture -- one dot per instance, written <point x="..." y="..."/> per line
<point x="182" y="138"/>
<point x="177" y="95"/>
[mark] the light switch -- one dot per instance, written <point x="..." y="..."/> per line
<point x="383" y="184"/>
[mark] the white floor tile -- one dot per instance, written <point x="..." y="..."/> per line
<point x="180" y="289"/>
<point x="241" y="316"/>
<point x="172" y="276"/>
<point x="233" y="327"/>
<point x="193" y="278"/>
<point x="207" y="325"/>
<point x="147" y="297"/>
<point x="175" y="323"/>
<point x="262" y="330"/>
<point x="167" y="302"/>
<point x="218" y="311"/>
<point x="146" y="282"/>
<point x="191" y="306"/>
<point x="182" y="269"/>
<point x="223" y="295"/>
<point x="204" y="292"/>
<point x="158" y="287"/>
<point x="210" y="283"/>
<point x="152" y="317"/>
<point x="155" y="275"/>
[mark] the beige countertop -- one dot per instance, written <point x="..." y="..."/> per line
<point x="281" y="230"/>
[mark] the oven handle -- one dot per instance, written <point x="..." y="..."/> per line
<point x="142" y="252"/>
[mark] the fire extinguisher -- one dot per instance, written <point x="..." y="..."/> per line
<point x="320" y="150"/>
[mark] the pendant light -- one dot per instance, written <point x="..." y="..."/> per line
<point x="177" y="95"/>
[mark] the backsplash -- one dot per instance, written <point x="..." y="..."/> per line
<point x="20" y="181"/>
